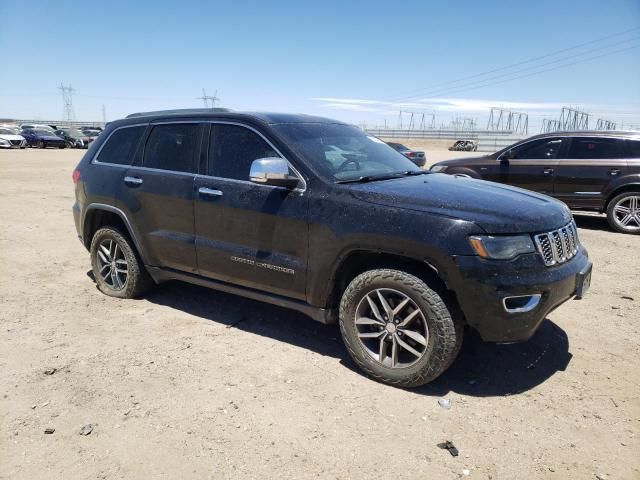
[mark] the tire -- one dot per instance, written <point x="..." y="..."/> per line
<point x="618" y="209"/>
<point x="441" y="332"/>
<point x="135" y="282"/>
<point x="41" y="144"/>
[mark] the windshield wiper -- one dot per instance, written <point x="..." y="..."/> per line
<point x="386" y="176"/>
<point x="369" y="178"/>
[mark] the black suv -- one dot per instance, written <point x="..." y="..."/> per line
<point x="598" y="171"/>
<point x="269" y="207"/>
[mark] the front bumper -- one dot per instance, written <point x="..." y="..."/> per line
<point x="482" y="286"/>
<point x="22" y="144"/>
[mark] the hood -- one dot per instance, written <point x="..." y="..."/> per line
<point x="11" y="137"/>
<point x="494" y="207"/>
<point x="464" y="161"/>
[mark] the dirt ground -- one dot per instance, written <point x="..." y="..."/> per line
<point x="191" y="383"/>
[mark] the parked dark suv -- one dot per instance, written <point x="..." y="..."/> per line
<point x="262" y="205"/>
<point x="598" y="171"/>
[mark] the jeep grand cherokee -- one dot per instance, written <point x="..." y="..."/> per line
<point x="315" y="215"/>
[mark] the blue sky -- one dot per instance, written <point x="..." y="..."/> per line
<point x="355" y="61"/>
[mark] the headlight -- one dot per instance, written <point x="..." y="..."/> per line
<point x="438" y="168"/>
<point x="4" y="142"/>
<point x="501" y="248"/>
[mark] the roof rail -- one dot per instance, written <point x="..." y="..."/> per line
<point x="179" y="111"/>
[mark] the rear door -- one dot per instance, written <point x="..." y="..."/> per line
<point x="249" y="234"/>
<point x="158" y="195"/>
<point x="530" y="165"/>
<point x="591" y="163"/>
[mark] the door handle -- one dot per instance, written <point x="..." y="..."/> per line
<point x="614" y="171"/>
<point x="209" y="192"/>
<point x="133" y="181"/>
<point x="547" y="171"/>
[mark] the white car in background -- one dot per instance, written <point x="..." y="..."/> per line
<point x="9" y="139"/>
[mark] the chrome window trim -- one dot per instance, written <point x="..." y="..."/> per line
<point x="151" y="169"/>
<point x="95" y="160"/>
<point x="238" y="124"/>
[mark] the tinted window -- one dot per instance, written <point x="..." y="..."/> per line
<point x="633" y="147"/>
<point x="596" y="148"/>
<point x="172" y="147"/>
<point x="121" y="146"/>
<point x="546" y="149"/>
<point x="232" y="150"/>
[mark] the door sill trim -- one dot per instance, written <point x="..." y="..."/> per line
<point x="318" y="314"/>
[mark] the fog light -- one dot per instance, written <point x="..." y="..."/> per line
<point x="521" y="303"/>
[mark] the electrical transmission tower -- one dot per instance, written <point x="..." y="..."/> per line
<point x="469" y="123"/>
<point x="550" y="126"/>
<point x="208" y="98"/>
<point x="573" y="119"/>
<point x="605" y="124"/>
<point x="67" y="101"/>
<point x="416" y="116"/>
<point x="503" y="120"/>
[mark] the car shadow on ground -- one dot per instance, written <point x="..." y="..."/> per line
<point x="481" y="369"/>
<point x="592" y="222"/>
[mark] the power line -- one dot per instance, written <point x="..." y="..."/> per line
<point x="533" y="59"/>
<point x="474" y="87"/>
<point x="533" y="67"/>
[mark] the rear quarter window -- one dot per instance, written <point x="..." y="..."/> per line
<point x="633" y="148"/>
<point x="121" y="146"/>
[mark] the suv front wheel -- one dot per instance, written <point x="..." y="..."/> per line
<point x="397" y="329"/>
<point x="623" y="212"/>
<point x="116" y="266"/>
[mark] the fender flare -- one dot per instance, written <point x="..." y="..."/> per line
<point x="435" y="266"/>
<point x="463" y="171"/>
<point x="123" y="217"/>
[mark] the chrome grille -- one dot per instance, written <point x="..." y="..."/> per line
<point x="558" y="246"/>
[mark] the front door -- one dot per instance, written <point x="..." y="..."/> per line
<point x="158" y="195"/>
<point x="249" y="234"/>
<point x="530" y="165"/>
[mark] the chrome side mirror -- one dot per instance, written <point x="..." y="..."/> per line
<point x="272" y="171"/>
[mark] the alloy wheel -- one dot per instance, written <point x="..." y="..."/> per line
<point x="112" y="264"/>
<point x="626" y="213"/>
<point x="392" y="328"/>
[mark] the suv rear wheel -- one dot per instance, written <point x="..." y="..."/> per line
<point x="116" y="266"/>
<point x="397" y="329"/>
<point x="623" y="212"/>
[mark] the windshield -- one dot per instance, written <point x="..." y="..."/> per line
<point x="343" y="152"/>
